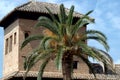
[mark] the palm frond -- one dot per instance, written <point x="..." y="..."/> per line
<point x="37" y="55"/>
<point x="44" y="41"/>
<point x="105" y="58"/>
<point x="70" y="16"/>
<point x="52" y="16"/>
<point x="25" y="62"/>
<point x="58" y="59"/>
<point x="34" y="57"/>
<point x="69" y="22"/>
<point x="28" y="63"/>
<point x="47" y="24"/>
<point x="42" y="67"/>
<point x="62" y="15"/>
<point x="54" y="19"/>
<point x="81" y="22"/>
<point x="106" y="54"/>
<point x="88" y="63"/>
<point x="100" y="40"/>
<point x="95" y="32"/>
<point x="31" y="38"/>
<point x="98" y="55"/>
<point x="47" y="42"/>
<point x="86" y="15"/>
<point x="77" y="27"/>
<point x="87" y="50"/>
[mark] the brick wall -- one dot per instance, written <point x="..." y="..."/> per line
<point x="14" y="60"/>
<point x="28" y="25"/>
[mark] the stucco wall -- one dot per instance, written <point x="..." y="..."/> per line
<point x="11" y="58"/>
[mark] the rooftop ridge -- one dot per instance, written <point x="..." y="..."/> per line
<point x="118" y="65"/>
<point x="36" y="7"/>
<point x="32" y="8"/>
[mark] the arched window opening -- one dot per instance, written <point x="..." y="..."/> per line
<point x="26" y="34"/>
<point x="6" y="46"/>
<point x="10" y="45"/>
<point x="75" y="64"/>
<point x="97" y="68"/>
<point x="15" y="36"/>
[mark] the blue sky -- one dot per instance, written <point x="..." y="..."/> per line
<point x="106" y="14"/>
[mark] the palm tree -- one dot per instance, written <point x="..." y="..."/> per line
<point x="61" y="41"/>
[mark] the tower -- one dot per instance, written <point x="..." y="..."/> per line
<point x="18" y="25"/>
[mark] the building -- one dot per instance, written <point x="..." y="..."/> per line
<point x="18" y="25"/>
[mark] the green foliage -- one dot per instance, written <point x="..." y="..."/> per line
<point x="31" y="38"/>
<point x="42" y="67"/>
<point x="66" y="37"/>
<point x="59" y="58"/>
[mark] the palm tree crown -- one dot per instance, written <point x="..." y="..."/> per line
<point x="62" y="40"/>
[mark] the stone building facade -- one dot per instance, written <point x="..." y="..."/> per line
<point x="18" y="25"/>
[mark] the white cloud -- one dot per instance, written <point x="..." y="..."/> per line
<point x="110" y="14"/>
<point x="7" y="5"/>
<point x="50" y="1"/>
<point x="4" y="9"/>
<point x="114" y="19"/>
<point x="81" y="6"/>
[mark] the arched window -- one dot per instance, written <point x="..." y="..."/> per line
<point x="75" y="64"/>
<point x="97" y="68"/>
<point x="26" y="34"/>
<point x="6" y="46"/>
<point x="15" y="36"/>
<point x="10" y="44"/>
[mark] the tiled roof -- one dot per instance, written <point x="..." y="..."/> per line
<point x="33" y="8"/>
<point x="117" y="67"/>
<point x="40" y="7"/>
<point x="59" y="75"/>
<point x="75" y="75"/>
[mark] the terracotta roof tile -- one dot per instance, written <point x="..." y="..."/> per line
<point x="59" y="75"/>
<point x="41" y="8"/>
<point x="33" y="7"/>
<point x="117" y="67"/>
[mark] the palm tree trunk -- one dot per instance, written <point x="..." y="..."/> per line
<point x="67" y="62"/>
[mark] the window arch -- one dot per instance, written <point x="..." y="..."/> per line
<point x="26" y="34"/>
<point x="15" y="37"/>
